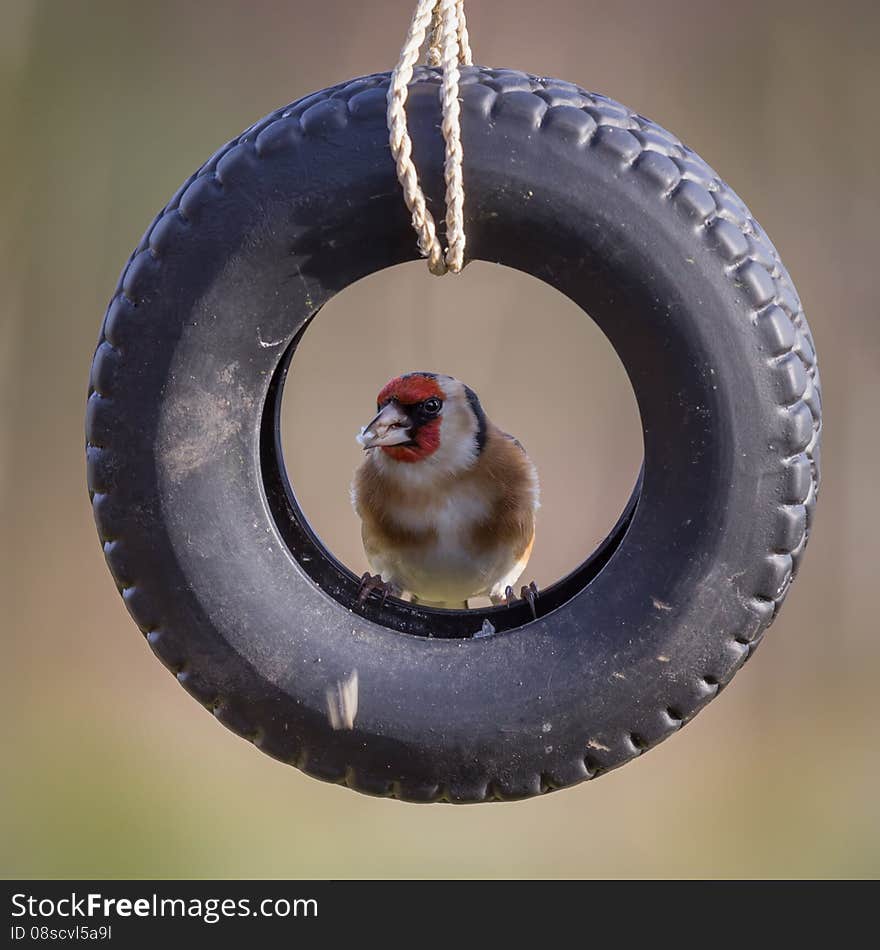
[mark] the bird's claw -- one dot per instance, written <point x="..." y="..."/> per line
<point x="528" y="593"/>
<point x="373" y="584"/>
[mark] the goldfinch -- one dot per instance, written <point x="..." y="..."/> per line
<point x="447" y="500"/>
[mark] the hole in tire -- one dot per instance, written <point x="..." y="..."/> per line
<point x="543" y="370"/>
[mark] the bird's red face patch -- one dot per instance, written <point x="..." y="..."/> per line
<point x="409" y="391"/>
<point x="425" y="442"/>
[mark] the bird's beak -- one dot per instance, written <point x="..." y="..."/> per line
<point x="390" y="426"/>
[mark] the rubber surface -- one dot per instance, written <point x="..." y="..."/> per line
<point x="187" y="489"/>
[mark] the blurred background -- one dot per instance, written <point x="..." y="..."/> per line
<point x="111" y="770"/>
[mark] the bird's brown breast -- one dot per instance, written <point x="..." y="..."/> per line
<point x="500" y="489"/>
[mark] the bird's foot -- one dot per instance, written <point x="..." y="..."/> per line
<point x="373" y="584"/>
<point x="528" y="593"/>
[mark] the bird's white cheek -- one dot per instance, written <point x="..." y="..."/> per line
<point x="457" y="451"/>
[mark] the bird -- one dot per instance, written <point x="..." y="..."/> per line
<point x="447" y="500"/>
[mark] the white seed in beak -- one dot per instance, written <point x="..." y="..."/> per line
<point x="390" y="426"/>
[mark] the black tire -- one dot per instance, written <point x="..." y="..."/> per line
<point x="216" y="563"/>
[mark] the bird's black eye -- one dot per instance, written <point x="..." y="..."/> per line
<point x="432" y="406"/>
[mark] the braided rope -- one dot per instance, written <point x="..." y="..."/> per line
<point x="448" y="48"/>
